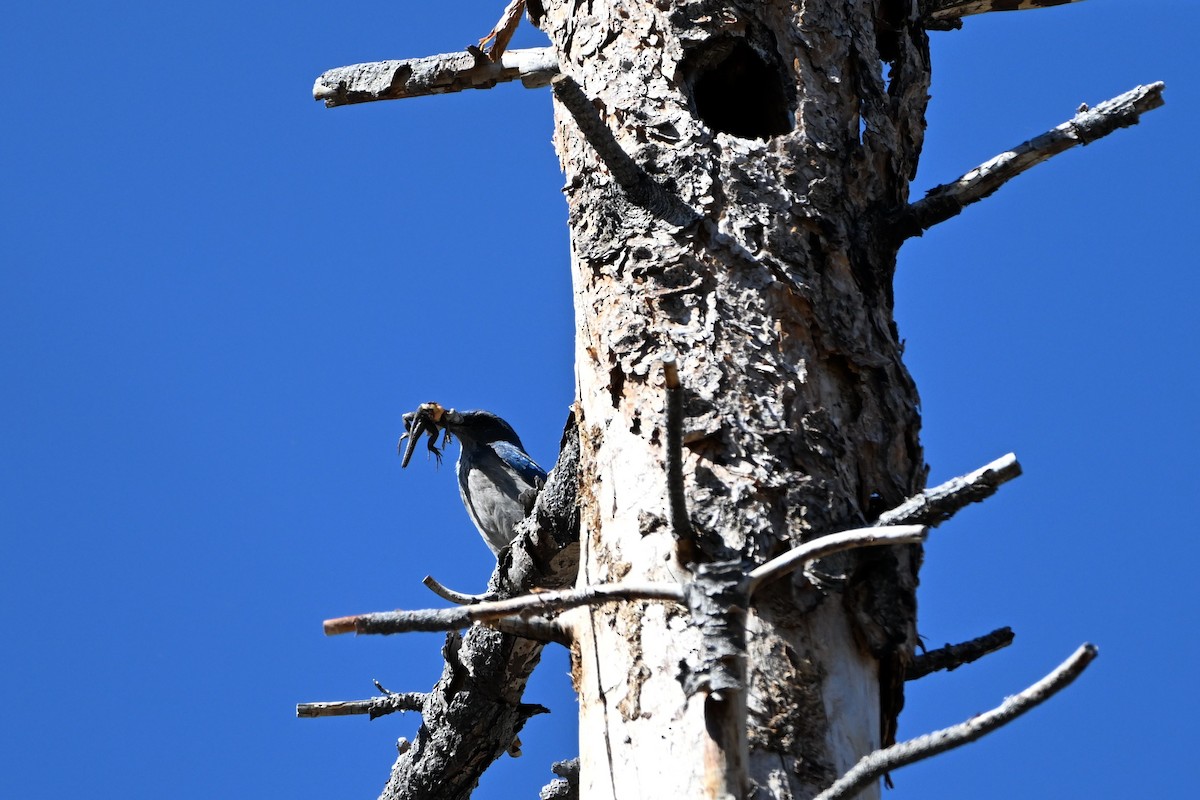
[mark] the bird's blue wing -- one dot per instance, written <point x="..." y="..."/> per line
<point x="519" y="461"/>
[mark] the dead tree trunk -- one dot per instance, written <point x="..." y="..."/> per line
<point x="731" y="172"/>
<point x="737" y="180"/>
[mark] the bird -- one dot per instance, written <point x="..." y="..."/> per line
<point x="497" y="479"/>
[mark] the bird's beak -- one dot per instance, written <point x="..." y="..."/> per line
<point x="424" y="420"/>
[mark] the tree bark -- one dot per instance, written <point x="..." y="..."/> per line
<point x="730" y="171"/>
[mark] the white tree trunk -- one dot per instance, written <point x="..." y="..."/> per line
<point x="763" y="258"/>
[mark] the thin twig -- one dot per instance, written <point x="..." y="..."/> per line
<point x="828" y="545"/>
<point x="870" y="767"/>
<point x="681" y="524"/>
<point x="451" y="596"/>
<point x="440" y="74"/>
<point x="953" y="656"/>
<point x="945" y="201"/>
<point x="503" y="30"/>
<point x="934" y="506"/>
<point x="449" y="619"/>
<point x="943" y="14"/>
<point x="374" y="707"/>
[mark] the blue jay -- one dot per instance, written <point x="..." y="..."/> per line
<point x="497" y="479"/>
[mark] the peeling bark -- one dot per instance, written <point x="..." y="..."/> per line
<point x="768" y="150"/>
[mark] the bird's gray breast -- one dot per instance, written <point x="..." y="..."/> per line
<point x="490" y="491"/>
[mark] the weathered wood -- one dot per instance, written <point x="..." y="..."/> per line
<point x="566" y="786"/>
<point x="880" y="762"/>
<point x="440" y="74"/>
<point x="502" y="32"/>
<point x="735" y="173"/>
<point x="936" y="505"/>
<point x="953" y="656"/>
<point x="1089" y="124"/>
<point x="535" y="67"/>
<point x="373" y="707"/>
<point x="470" y="718"/>
<point x="767" y="149"/>
<point x="449" y="619"/>
<point x="829" y="545"/>
<point x="947" y="13"/>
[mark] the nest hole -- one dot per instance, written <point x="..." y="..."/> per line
<point x="735" y="90"/>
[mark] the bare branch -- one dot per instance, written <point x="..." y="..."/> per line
<point x="934" y="506"/>
<point x="953" y="656"/>
<point x="947" y="14"/>
<point x="828" y="545"/>
<point x="624" y="170"/>
<point x="639" y="187"/>
<point x="872" y="766"/>
<point x="539" y="629"/>
<point x="503" y="31"/>
<point x="440" y="74"/>
<point x="945" y="201"/>
<point x="450" y="619"/>
<point x="681" y="524"/>
<point x="374" y="707"/>
<point x="451" y="596"/>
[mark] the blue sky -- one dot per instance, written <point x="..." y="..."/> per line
<point x="209" y="331"/>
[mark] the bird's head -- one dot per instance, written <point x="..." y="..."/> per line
<point x="479" y="427"/>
